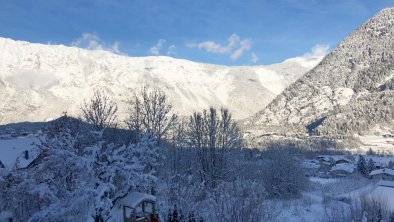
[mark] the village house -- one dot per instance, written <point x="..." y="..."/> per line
<point x="342" y="169"/>
<point x="385" y="183"/>
<point x="327" y="159"/>
<point x="382" y="174"/>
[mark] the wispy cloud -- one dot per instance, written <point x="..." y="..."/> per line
<point x="92" y="41"/>
<point x="155" y="50"/>
<point x="171" y="50"/>
<point x="235" y="47"/>
<point x="253" y="58"/>
<point x="244" y="46"/>
<point x="319" y="50"/>
<point x="312" y="58"/>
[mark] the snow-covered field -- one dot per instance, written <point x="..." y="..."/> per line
<point x="328" y="196"/>
<point x="323" y="198"/>
<point x="377" y="143"/>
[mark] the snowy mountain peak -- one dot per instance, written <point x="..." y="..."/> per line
<point x="358" y="70"/>
<point x="39" y="82"/>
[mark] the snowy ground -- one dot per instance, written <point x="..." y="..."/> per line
<point x="385" y="194"/>
<point x="379" y="139"/>
<point x="328" y="195"/>
<point x="323" y="194"/>
<point x="377" y="143"/>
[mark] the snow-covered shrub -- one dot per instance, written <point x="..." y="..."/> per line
<point x="375" y="209"/>
<point x="149" y="109"/>
<point x="211" y="134"/>
<point x="283" y="175"/>
<point x="100" y="111"/>
<point x="75" y="178"/>
<point x="239" y="201"/>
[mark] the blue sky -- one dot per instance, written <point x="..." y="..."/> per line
<point x="229" y="32"/>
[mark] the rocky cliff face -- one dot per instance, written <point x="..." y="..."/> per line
<point x="355" y="79"/>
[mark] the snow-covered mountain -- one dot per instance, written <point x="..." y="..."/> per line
<point x="351" y="90"/>
<point x="38" y="82"/>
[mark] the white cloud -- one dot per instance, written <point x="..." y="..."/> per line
<point x="235" y="46"/>
<point x="155" y="50"/>
<point x="115" y="48"/>
<point x="253" y="58"/>
<point x="319" y="50"/>
<point x="32" y="79"/>
<point x="92" y="41"/>
<point x="244" y="46"/>
<point x="312" y="58"/>
<point x="171" y="50"/>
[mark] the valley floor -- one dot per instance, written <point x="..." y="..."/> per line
<point x="326" y="197"/>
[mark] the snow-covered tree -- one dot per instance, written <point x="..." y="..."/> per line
<point x="371" y="165"/>
<point x="283" y="175"/>
<point x="150" y="109"/>
<point x="211" y="135"/>
<point x="362" y="165"/>
<point x="100" y="111"/>
<point x="75" y="180"/>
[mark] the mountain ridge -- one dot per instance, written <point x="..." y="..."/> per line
<point x="39" y="82"/>
<point x="359" y="65"/>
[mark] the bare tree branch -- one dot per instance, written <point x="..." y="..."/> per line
<point x="100" y="111"/>
<point x="149" y="109"/>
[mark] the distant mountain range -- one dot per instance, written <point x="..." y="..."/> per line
<point x="349" y="92"/>
<point x="38" y="82"/>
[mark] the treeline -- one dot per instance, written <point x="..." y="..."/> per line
<point x="198" y="163"/>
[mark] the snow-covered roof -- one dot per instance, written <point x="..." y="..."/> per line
<point x="347" y="167"/>
<point x="134" y="198"/>
<point x="333" y="157"/>
<point x="310" y="164"/>
<point x="5" y="215"/>
<point x="385" y="183"/>
<point x="382" y="171"/>
<point x="12" y="150"/>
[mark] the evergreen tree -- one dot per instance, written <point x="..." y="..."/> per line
<point x="391" y="219"/>
<point x="371" y="165"/>
<point x="390" y="164"/>
<point x="169" y="216"/>
<point x="175" y="217"/>
<point x="191" y="217"/>
<point x="181" y="219"/>
<point x="362" y="165"/>
<point x="370" y="152"/>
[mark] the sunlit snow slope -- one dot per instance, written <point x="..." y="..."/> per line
<point x="350" y="91"/>
<point x="39" y="82"/>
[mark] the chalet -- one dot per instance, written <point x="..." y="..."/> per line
<point x="6" y="216"/>
<point x="138" y="207"/>
<point x="310" y="164"/>
<point x="327" y="159"/>
<point x="342" y="169"/>
<point x="385" y="183"/>
<point x="341" y="160"/>
<point x="382" y="174"/>
<point x="323" y="158"/>
<point x="36" y="161"/>
<point x="378" y="165"/>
